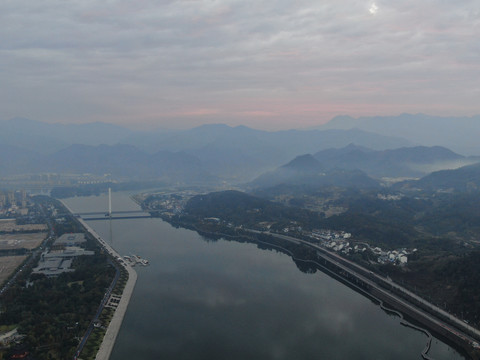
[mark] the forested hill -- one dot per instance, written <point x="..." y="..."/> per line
<point x="306" y="170"/>
<point x="438" y="222"/>
<point x="244" y="209"/>
<point x="466" y="178"/>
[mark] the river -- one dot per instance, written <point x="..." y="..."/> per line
<point x="204" y="299"/>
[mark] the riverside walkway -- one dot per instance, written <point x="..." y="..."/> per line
<point x="116" y="322"/>
<point x="114" y="327"/>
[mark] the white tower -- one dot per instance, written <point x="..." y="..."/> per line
<point x="110" y="213"/>
<point x="110" y="202"/>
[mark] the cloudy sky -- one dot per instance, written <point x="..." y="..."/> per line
<point x="269" y="64"/>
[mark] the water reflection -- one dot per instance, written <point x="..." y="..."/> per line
<point x="224" y="299"/>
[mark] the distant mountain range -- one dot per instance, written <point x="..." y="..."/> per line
<point x="234" y="154"/>
<point x="457" y="133"/>
<point x="356" y="166"/>
<point x="121" y="161"/>
<point x="15" y="160"/>
<point x="240" y="153"/>
<point x="402" y="162"/>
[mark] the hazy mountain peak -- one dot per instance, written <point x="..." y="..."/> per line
<point x="304" y="163"/>
<point x="354" y="147"/>
<point x="341" y="122"/>
<point x="307" y="171"/>
<point x="218" y="126"/>
<point x="424" y="154"/>
<point x="22" y="124"/>
<point x="457" y="133"/>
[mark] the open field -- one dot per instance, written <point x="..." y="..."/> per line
<point x="18" y="241"/>
<point x="8" y="264"/>
<point x="10" y="226"/>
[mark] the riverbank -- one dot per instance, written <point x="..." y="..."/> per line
<point x="457" y="333"/>
<point x="432" y="318"/>
<point x="116" y="322"/>
<point x="113" y="328"/>
<point x="111" y="333"/>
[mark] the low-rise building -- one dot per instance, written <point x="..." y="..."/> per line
<point x="69" y="240"/>
<point x="59" y="259"/>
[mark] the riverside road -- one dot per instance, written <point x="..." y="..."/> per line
<point x="461" y="330"/>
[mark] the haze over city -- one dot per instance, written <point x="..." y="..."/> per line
<point x="285" y="179"/>
<point x="265" y="64"/>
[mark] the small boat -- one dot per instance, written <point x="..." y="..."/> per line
<point x="138" y="260"/>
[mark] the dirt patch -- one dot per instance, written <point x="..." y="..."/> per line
<point x="8" y="264"/>
<point x="10" y="226"/>
<point x="21" y="241"/>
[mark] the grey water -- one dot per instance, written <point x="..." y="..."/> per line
<point x="204" y="299"/>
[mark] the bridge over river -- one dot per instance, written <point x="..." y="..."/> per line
<point x="114" y="215"/>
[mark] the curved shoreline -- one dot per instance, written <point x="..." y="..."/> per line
<point x="460" y="340"/>
<point x="110" y="336"/>
<point x="403" y="322"/>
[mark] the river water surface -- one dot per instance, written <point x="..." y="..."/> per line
<point x="204" y="299"/>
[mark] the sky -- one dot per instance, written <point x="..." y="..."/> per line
<point x="267" y="64"/>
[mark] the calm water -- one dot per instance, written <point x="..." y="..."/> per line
<point x="200" y="299"/>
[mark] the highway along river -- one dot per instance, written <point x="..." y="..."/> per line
<point x="204" y="299"/>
